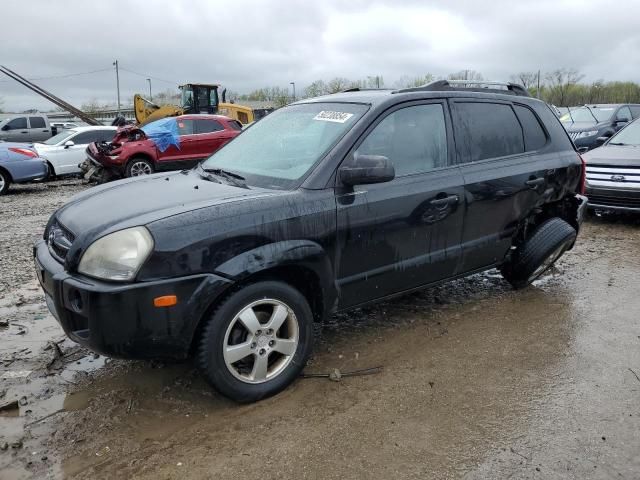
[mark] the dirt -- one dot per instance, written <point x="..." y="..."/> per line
<point x="478" y="382"/>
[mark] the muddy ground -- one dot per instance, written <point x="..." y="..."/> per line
<point x="479" y="382"/>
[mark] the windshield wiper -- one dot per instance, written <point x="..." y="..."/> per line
<point x="617" y="143"/>
<point x="233" y="178"/>
<point x="594" y="117"/>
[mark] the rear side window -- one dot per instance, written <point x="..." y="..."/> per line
<point x="37" y="122"/>
<point x="106" y="136"/>
<point x="487" y="130"/>
<point x="236" y="125"/>
<point x="624" y="114"/>
<point x="207" y="126"/>
<point x="635" y="111"/>
<point x="534" y="136"/>
<point x="17" y="124"/>
<point x="86" y="137"/>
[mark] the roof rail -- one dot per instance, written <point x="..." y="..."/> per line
<point x="472" y="85"/>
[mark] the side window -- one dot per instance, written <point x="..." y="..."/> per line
<point x="207" y="126"/>
<point x="534" y="136"/>
<point x="236" y="125"/>
<point x="624" y="114"/>
<point x="106" y="135"/>
<point x="487" y="130"/>
<point x="37" y="122"/>
<point x="413" y="138"/>
<point x="185" y="127"/>
<point x="635" y="110"/>
<point x="86" y="137"/>
<point x="19" y="123"/>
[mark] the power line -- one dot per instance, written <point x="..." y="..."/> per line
<point x="148" y="76"/>
<point x="65" y="75"/>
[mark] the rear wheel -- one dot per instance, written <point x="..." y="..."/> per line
<point x="138" y="167"/>
<point x="5" y="181"/>
<point x="547" y="244"/>
<point x="257" y="341"/>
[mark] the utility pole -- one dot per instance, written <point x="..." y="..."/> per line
<point x="117" y="83"/>
<point x="294" y="90"/>
<point x="150" y="96"/>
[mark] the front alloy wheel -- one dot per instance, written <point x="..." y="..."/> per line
<point x="261" y="341"/>
<point x="256" y="341"/>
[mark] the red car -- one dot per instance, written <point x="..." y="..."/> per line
<point x="168" y="144"/>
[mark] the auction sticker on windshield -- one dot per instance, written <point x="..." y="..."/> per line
<point x="328" y="116"/>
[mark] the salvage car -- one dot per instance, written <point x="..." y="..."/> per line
<point x="19" y="164"/>
<point x="325" y="205"/>
<point x="168" y="144"/>
<point x="586" y="124"/>
<point x="613" y="172"/>
<point x="67" y="149"/>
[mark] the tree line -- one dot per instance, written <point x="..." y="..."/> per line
<point x="561" y="87"/>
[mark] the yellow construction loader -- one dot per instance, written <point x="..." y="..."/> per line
<point x="195" y="98"/>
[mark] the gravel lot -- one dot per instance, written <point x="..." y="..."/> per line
<point x="479" y="381"/>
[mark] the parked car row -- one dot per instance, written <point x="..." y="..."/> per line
<point x="168" y="144"/>
<point x="590" y="125"/>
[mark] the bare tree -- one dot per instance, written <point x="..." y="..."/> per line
<point x="316" y="89"/>
<point x="338" y="84"/>
<point x="409" y="82"/>
<point x="526" y="79"/>
<point x="465" y="75"/>
<point x="560" y="82"/>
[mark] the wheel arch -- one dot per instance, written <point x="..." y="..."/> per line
<point x="6" y="172"/>
<point x="302" y="264"/>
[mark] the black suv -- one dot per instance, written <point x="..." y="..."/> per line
<point x="591" y="125"/>
<point x="324" y="205"/>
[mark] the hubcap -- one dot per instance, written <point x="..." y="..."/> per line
<point x="261" y="341"/>
<point x="550" y="260"/>
<point x="1" y="182"/>
<point x="140" y="168"/>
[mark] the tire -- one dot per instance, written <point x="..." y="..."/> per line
<point x="282" y="353"/>
<point x="5" y="181"/>
<point x="547" y="244"/>
<point x="139" y="166"/>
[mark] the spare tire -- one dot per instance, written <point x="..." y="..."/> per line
<point x="539" y="252"/>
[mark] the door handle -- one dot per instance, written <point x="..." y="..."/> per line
<point x="440" y="202"/>
<point x="24" y="131"/>
<point x="534" y="182"/>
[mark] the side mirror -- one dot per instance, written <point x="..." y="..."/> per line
<point x="622" y="120"/>
<point x="5" y="128"/>
<point x="366" y="169"/>
<point x="583" y="149"/>
<point x="68" y="143"/>
<point x="601" y="140"/>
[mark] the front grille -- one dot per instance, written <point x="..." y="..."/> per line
<point x="59" y="240"/>
<point x="615" y="201"/>
<point x="614" y="176"/>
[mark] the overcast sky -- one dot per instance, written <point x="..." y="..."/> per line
<point x="250" y="44"/>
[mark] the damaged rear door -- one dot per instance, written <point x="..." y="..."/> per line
<point x="405" y="233"/>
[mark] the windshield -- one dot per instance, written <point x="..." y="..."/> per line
<point x="280" y="149"/>
<point x="589" y="114"/>
<point x="59" y="137"/>
<point x="627" y="136"/>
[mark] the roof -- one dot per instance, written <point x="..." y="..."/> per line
<point x="604" y="105"/>
<point x="379" y="96"/>
<point x="203" y="115"/>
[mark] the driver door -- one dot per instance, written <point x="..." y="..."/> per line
<point x="402" y="234"/>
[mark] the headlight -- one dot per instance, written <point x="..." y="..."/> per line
<point x="590" y="133"/>
<point x="117" y="256"/>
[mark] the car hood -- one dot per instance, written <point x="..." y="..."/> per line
<point x="619" y="155"/>
<point x="142" y="200"/>
<point x="42" y="148"/>
<point x="581" y="126"/>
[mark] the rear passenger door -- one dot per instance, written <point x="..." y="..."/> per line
<point x="499" y="149"/>
<point x="179" y="157"/>
<point x="404" y="233"/>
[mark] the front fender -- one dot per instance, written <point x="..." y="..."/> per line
<point x="298" y="253"/>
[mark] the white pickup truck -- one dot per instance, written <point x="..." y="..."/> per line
<point x="32" y="127"/>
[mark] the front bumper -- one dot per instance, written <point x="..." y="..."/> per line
<point x="618" y="199"/>
<point x="120" y="320"/>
